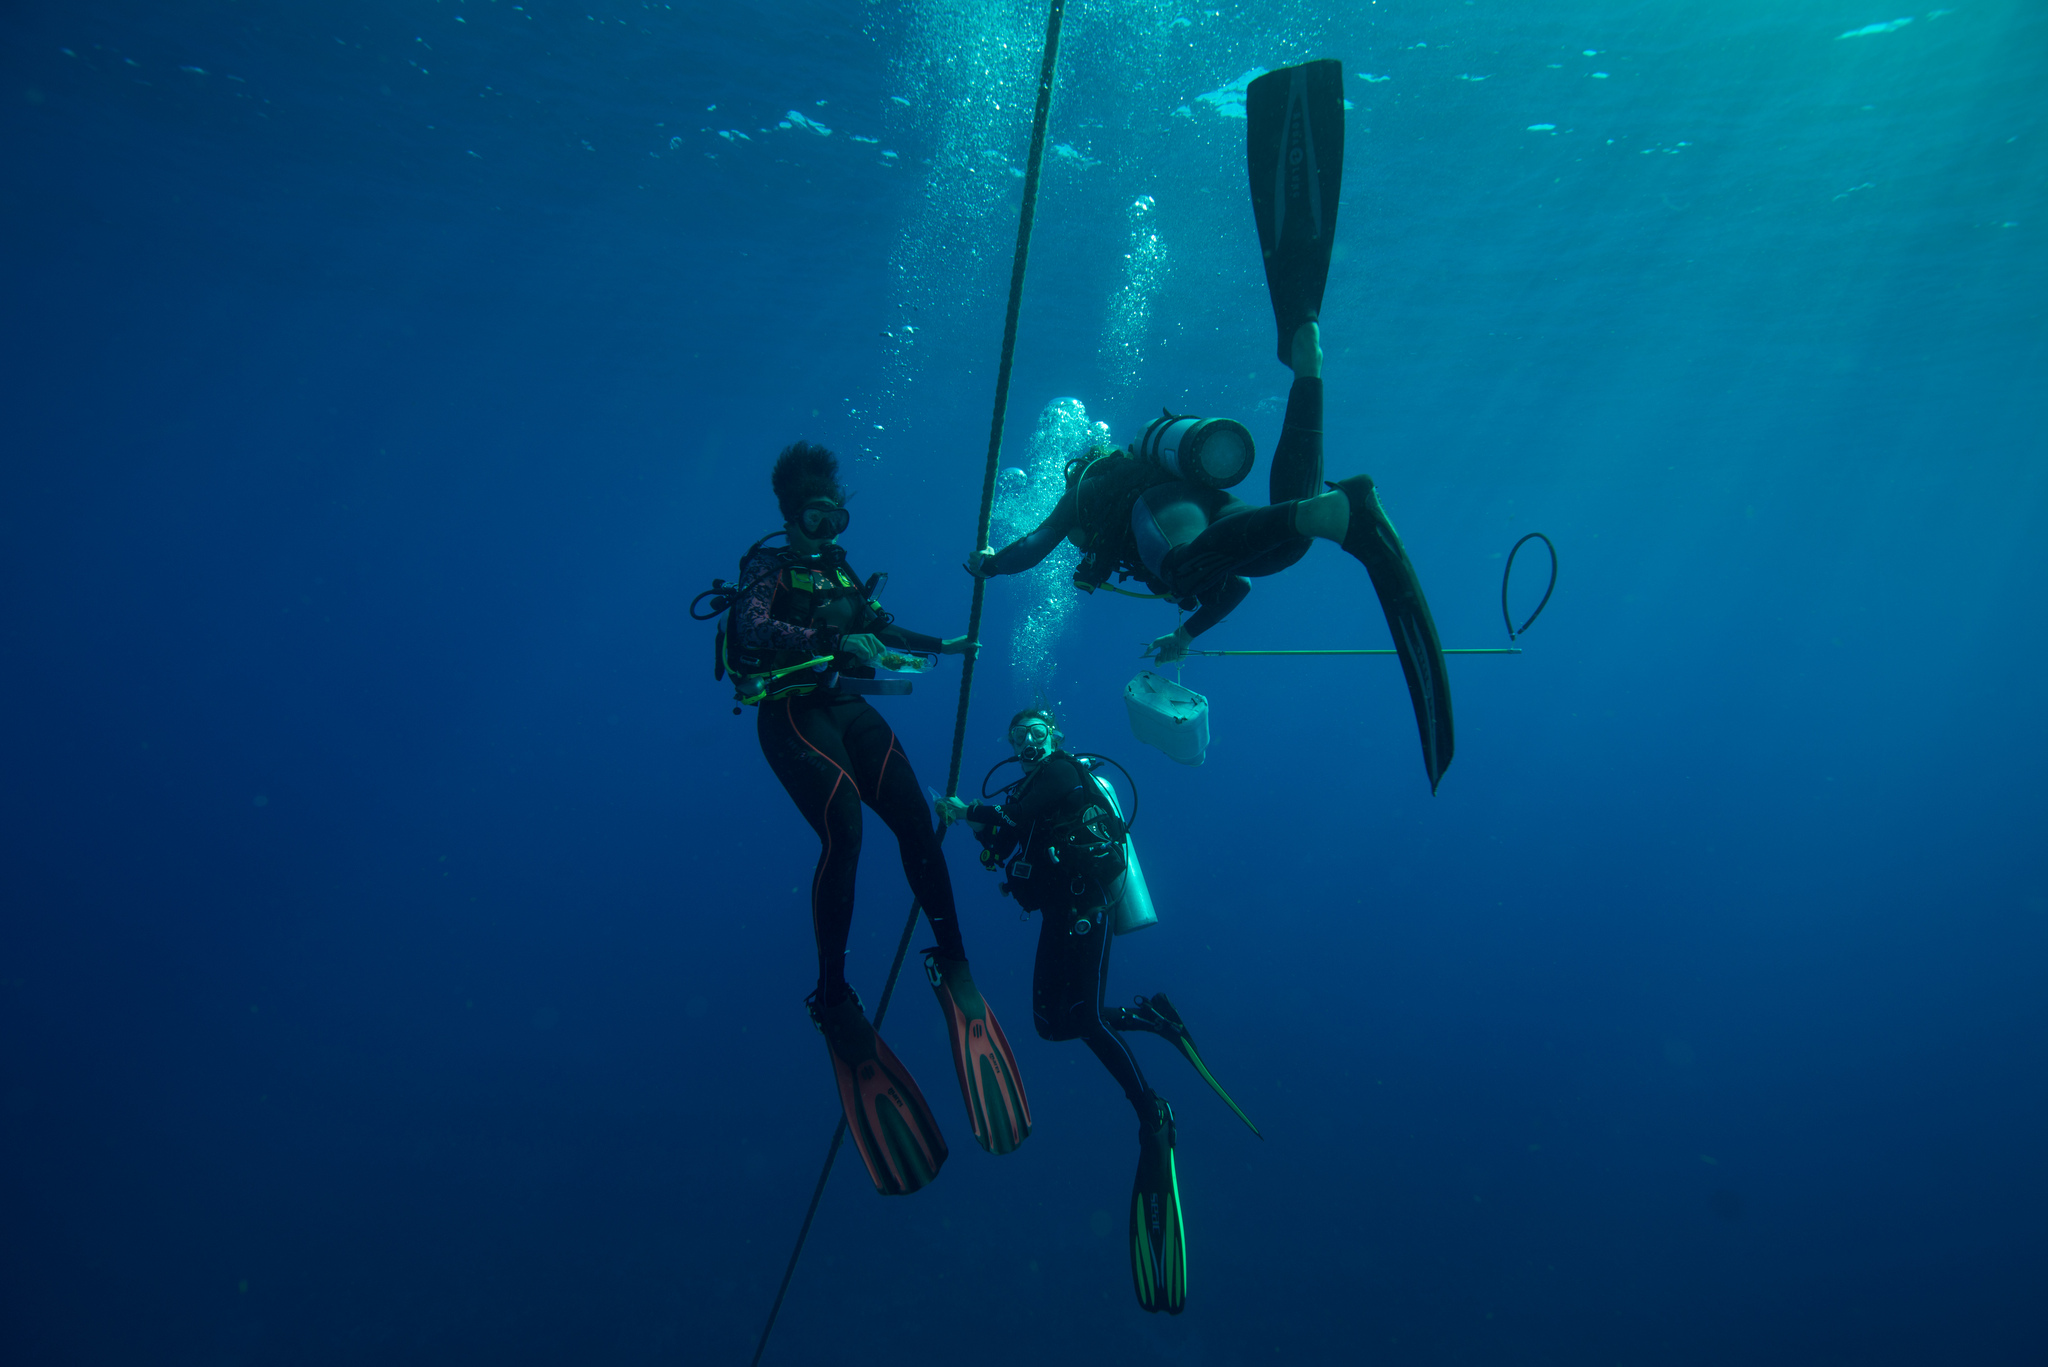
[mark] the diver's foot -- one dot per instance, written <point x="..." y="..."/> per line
<point x="1307" y="347"/>
<point x="1326" y="515"/>
<point x="1366" y="514"/>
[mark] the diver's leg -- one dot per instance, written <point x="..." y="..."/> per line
<point x="1067" y="980"/>
<point x="1059" y="983"/>
<point x="886" y="1115"/>
<point x="1256" y="542"/>
<point x="1298" y="457"/>
<point x="1327" y="515"/>
<point x="1241" y="540"/>
<point x="990" y="1083"/>
<point x="889" y="785"/>
<point x="1297" y="470"/>
<point x="1107" y="1045"/>
<point x="804" y="747"/>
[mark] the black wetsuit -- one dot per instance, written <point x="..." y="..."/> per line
<point x="1199" y="545"/>
<point x="833" y="752"/>
<point x="1072" y="968"/>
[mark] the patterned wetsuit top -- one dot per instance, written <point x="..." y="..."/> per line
<point x="754" y="615"/>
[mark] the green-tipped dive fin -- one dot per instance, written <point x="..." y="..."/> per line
<point x="1159" y="1236"/>
<point x="1158" y="1016"/>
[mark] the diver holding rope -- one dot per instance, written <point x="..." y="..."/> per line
<point x="801" y="639"/>
<point x="1061" y="841"/>
<point x="1160" y="511"/>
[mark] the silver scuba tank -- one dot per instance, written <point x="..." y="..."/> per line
<point x="1132" y="909"/>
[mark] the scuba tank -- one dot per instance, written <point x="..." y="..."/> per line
<point x="1132" y="908"/>
<point x="1214" y="452"/>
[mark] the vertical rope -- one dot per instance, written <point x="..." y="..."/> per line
<point x="817" y="1195"/>
<point x="1025" y="215"/>
<point x="832" y="1150"/>
<point x="995" y="425"/>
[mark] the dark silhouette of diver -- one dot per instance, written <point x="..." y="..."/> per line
<point x="1057" y="837"/>
<point x="801" y="639"/>
<point x="1191" y="539"/>
<point x="1160" y="511"/>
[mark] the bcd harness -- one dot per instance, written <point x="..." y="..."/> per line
<point x="1105" y="485"/>
<point x="805" y="585"/>
<point x="1085" y="842"/>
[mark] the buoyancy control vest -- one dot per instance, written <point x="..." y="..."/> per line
<point x="1106" y="485"/>
<point x="804" y="587"/>
<point x="1078" y="850"/>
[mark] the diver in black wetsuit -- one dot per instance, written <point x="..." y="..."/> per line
<point x="1057" y="836"/>
<point x="1190" y="540"/>
<point x="802" y="638"/>
<point x="1161" y="512"/>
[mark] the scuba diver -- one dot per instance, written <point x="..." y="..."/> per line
<point x="802" y="637"/>
<point x="1059" y="838"/>
<point x="1159" y="511"/>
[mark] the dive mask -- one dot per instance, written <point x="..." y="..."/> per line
<point x="1033" y="740"/>
<point x="821" y="519"/>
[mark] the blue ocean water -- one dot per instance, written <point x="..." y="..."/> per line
<point x="402" y="945"/>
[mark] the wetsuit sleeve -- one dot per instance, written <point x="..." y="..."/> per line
<point x="1217" y="602"/>
<point x="757" y="626"/>
<point x="903" y="638"/>
<point x="1048" y="791"/>
<point x="1029" y="549"/>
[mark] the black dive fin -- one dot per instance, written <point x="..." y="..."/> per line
<point x="1372" y="539"/>
<point x="1159" y="1017"/>
<point x="1294" y="149"/>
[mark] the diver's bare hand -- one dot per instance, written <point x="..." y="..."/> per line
<point x="1170" y="647"/>
<point x="1307" y="347"/>
<point x="960" y="645"/>
<point x="863" y="646"/>
<point x="950" y="810"/>
<point x="977" y="563"/>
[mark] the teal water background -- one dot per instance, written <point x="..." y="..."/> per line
<point x="402" y="945"/>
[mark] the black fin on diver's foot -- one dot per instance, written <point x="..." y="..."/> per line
<point x="1372" y="540"/>
<point x="1158" y="1016"/>
<point x="1294" y="152"/>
